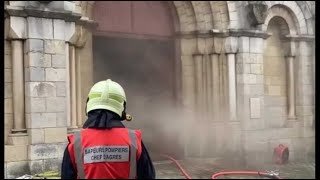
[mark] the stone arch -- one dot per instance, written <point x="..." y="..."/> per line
<point x="293" y="9"/>
<point x="203" y="15"/>
<point x="220" y="13"/>
<point x="186" y="15"/>
<point x="275" y="74"/>
<point x="192" y="16"/>
<point x="283" y="12"/>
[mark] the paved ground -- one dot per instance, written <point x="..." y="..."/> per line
<point x="203" y="169"/>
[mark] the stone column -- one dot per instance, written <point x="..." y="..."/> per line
<point x="198" y="58"/>
<point x="215" y="88"/>
<point x="18" y="86"/>
<point x="78" y="88"/>
<point x="232" y="86"/>
<point x="231" y="47"/>
<point x="291" y="88"/>
<point x="73" y="93"/>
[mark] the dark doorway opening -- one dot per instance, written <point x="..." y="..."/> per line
<point x="146" y="70"/>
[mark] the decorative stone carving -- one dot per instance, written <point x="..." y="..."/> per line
<point x="257" y="12"/>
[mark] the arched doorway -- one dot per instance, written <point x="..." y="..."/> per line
<point x="134" y="45"/>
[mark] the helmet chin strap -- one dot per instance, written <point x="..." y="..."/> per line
<point x="124" y="114"/>
<point x="86" y="106"/>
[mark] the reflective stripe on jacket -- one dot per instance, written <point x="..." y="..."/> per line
<point x="105" y="153"/>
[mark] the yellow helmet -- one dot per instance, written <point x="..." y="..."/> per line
<point x="107" y="95"/>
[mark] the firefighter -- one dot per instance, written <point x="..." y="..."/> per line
<point x="105" y="148"/>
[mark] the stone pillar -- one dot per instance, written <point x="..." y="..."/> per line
<point x="215" y="88"/>
<point x="78" y="88"/>
<point x="73" y="91"/>
<point x="18" y="86"/>
<point x="231" y="47"/>
<point x="291" y="88"/>
<point x="44" y="86"/>
<point x="17" y="36"/>
<point x="304" y="85"/>
<point x="198" y="60"/>
<point x="250" y="96"/>
<point x="232" y="87"/>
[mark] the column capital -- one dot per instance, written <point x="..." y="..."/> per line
<point x="231" y="45"/>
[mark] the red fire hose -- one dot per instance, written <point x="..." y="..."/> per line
<point x="264" y="174"/>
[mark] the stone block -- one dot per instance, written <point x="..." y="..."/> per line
<point x="54" y="47"/>
<point x="61" y="147"/>
<point x="7" y="47"/>
<point x="274" y="90"/>
<point x="246" y="69"/>
<point x="308" y="100"/>
<point x="55" y="135"/>
<point x="259" y="59"/>
<point x="7" y="61"/>
<point x="308" y="132"/>
<point x="34" y="74"/>
<point x="259" y="79"/>
<point x="40" y="89"/>
<point x="42" y="151"/>
<point x="37" y="60"/>
<point x="275" y="121"/>
<point x="8" y="121"/>
<point x="61" y="89"/>
<point x="252" y="79"/>
<point x="55" y="74"/>
<point x="275" y="101"/>
<point x="59" y="29"/>
<point x="244" y="45"/>
<point x="36" y="166"/>
<point x="17" y="169"/>
<point x="59" y="61"/>
<point x="18" y="139"/>
<point x="276" y="111"/>
<point x="15" y="153"/>
<point x="308" y="121"/>
<point x="52" y="164"/>
<point x="34" y="45"/>
<point x="17" y="27"/>
<point x="70" y="32"/>
<point x="7" y="75"/>
<point x="239" y="69"/>
<point x="61" y="119"/>
<point x="41" y="120"/>
<point x="304" y="49"/>
<point x="256" y="90"/>
<point x="7" y="90"/>
<point x="255" y="107"/>
<point x="56" y="104"/>
<point x="34" y="105"/>
<point x="256" y="69"/>
<point x="40" y="28"/>
<point x="255" y="124"/>
<point x="8" y="105"/>
<point x="256" y="45"/>
<point x="36" y="136"/>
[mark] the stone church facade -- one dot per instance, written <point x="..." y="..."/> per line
<point x="243" y="71"/>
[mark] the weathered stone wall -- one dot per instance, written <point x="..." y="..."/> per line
<point x="219" y="34"/>
<point x="7" y="90"/>
<point x="45" y="83"/>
